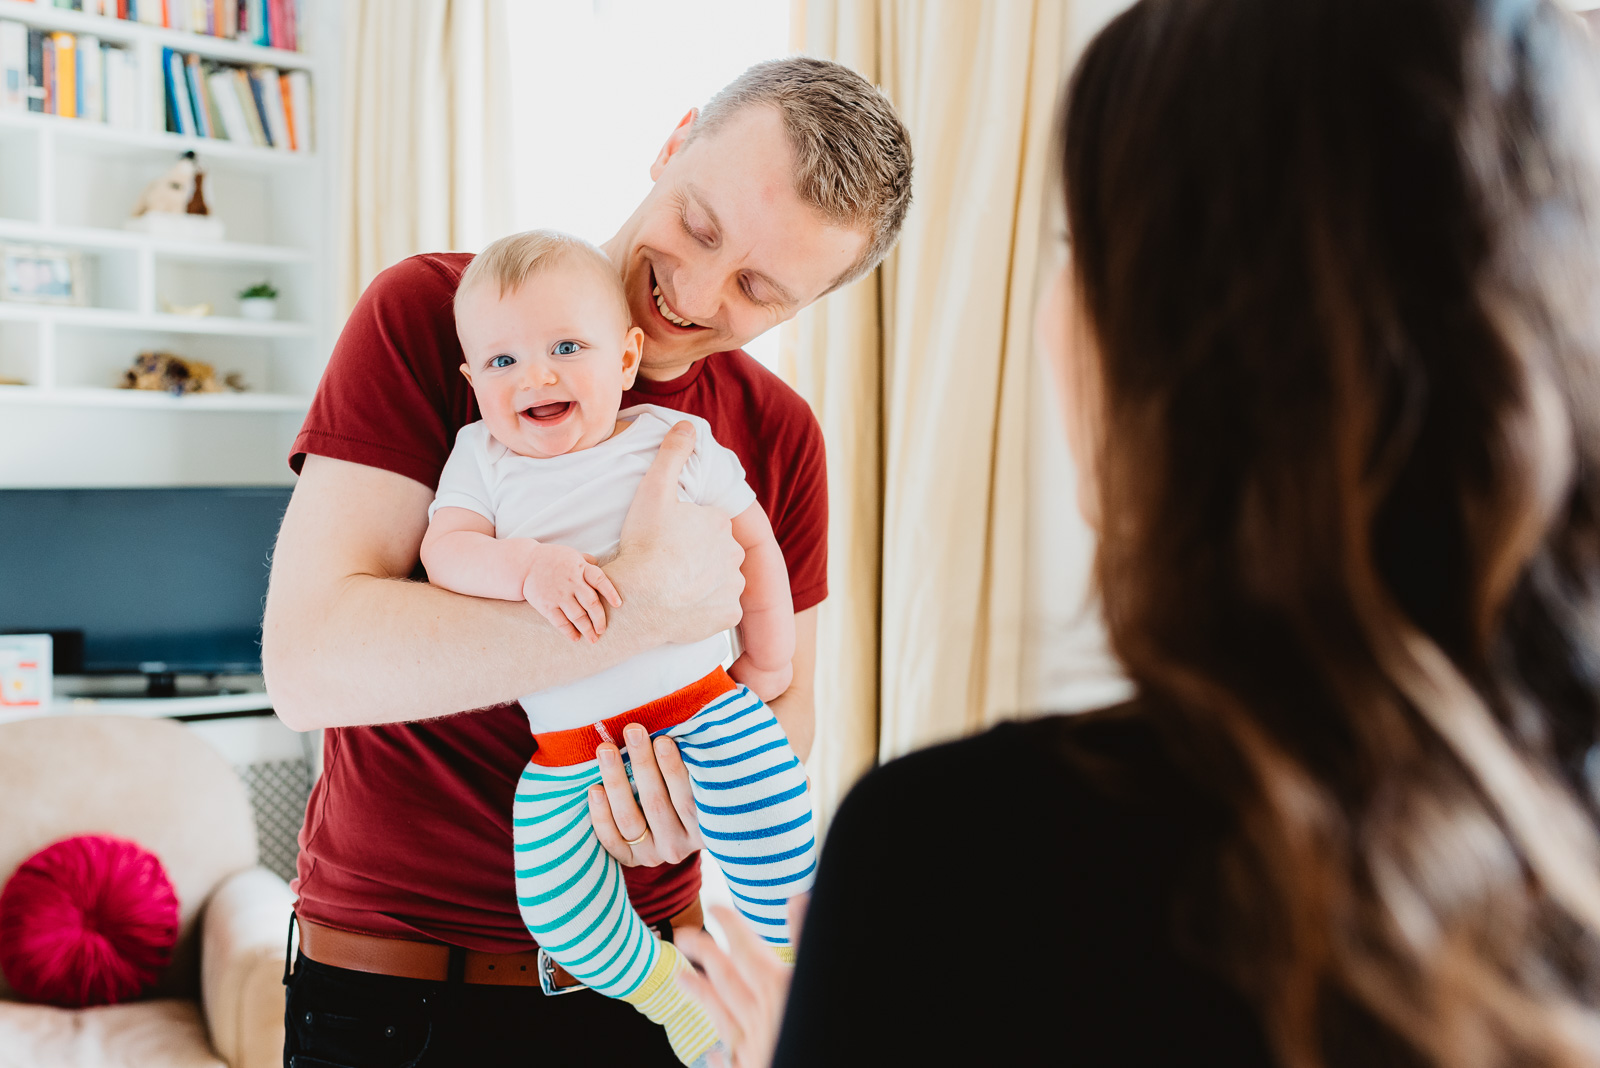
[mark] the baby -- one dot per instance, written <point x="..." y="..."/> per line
<point x="530" y="505"/>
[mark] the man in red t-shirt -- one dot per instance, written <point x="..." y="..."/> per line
<point x="792" y="182"/>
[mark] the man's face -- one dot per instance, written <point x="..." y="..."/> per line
<point x="723" y="249"/>
<point x="548" y="362"/>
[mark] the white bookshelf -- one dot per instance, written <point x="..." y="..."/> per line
<point x="71" y="184"/>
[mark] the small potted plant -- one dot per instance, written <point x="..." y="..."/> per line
<point x="259" y="302"/>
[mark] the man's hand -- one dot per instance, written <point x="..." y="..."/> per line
<point x="565" y="586"/>
<point x="678" y="562"/>
<point x="667" y="829"/>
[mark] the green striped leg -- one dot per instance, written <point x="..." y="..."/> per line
<point x="575" y="903"/>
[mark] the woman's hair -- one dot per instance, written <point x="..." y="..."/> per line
<point x="1341" y="262"/>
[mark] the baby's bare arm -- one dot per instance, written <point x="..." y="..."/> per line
<point x="462" y="555"/>
<point x="767" y="629"/>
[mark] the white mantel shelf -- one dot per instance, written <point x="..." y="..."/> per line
<point x="123" y="31"/>
<point x="89" y="237"/>
<point x="145" y="707"/>
<point x="150" y="399"/>
<point x="112" y="319"/>
<point x="113" y="138"/>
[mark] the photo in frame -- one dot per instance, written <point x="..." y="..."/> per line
<point x="38" y="274"/>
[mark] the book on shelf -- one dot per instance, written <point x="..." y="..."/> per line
<point x="258" y="105"/>
<point x="269" y="23"/>
<point x="180" y="111"/>
<point x="199" y="96"/>
<point x="71" y="75"/>
<point x="13" y="66"/>
<point x="36" y="89"/>
<point x="91" y="79"/>
<point x="66" y="74"/>
<point x="247" y="102"/>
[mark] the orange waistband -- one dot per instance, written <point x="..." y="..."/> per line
<point x="559" y="749"/>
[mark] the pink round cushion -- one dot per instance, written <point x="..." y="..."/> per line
<point x="87" y="921"/>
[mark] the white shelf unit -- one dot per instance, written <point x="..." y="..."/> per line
<point x="71" y="184"/>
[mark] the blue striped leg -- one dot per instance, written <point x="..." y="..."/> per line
<point x="754" y="807"/>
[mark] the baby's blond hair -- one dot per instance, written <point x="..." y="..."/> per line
<point x="511" y="261"/>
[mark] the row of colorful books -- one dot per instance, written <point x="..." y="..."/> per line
<point x="259" y="105"/>
<point x="273" y="23"/>
<point x="72" y="75"/>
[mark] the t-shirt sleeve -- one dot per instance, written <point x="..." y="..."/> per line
<point x="462" y="483"/>
<point x="800" y="520"/>
<point x="392" y="396"/>
<point x="714" y="476"/>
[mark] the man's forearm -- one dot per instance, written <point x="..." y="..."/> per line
<point x="348" y="641"/>
<point x="796" y="713"/>
<point x="392" y="650"/>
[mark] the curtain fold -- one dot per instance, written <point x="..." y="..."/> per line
<point x="426" y="161"/>
<point x="923" y="378"/>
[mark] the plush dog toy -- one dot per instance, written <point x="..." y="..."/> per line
<point x="170" y="374"/>
<point x="174" y="192"/>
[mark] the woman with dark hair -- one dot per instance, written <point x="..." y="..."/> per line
<point x="1331" y="346"/>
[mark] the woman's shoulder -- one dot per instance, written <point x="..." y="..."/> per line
<point x="1111" y="763"/>
<point x="1040" y="864"/>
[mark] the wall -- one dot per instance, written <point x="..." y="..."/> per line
<point x="1066" y="663"/>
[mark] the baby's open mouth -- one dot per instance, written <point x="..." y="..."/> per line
<point x="547" y="413"/>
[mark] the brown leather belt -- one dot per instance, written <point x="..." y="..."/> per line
<point x="431" y="960"/>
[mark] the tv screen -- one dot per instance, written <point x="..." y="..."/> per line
<point x="154" y="580"/>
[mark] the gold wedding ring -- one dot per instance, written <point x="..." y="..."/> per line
<point x="636" y="841"/>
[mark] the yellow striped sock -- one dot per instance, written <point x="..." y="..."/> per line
<point x="662" y="1000"/>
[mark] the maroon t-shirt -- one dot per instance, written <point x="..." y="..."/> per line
<point x="408" y="831"/>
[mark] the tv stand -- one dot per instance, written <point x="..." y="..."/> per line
<point x="186" y="696"/>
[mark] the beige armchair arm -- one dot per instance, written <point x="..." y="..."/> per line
<point x="242" y="936"/>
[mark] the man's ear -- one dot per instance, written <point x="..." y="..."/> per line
<point x="466" y="372"/>
<point x="680" y="134"/>
<point x="632" y="353"/>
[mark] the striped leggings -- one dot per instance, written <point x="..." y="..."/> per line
<point x="755" y="819"/>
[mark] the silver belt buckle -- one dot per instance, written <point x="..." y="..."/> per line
<point x="547" y="977"/>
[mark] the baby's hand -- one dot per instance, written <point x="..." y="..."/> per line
<point x="566" y="586"/>
<point x="766" y="684"/>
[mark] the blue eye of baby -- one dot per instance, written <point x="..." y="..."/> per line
<point x="502" y="361"/>
<point x="566" y="348"/>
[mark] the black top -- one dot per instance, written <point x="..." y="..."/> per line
<point x="1009" y="900"/>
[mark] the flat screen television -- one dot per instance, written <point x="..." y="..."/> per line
<point x="158" y="582"/>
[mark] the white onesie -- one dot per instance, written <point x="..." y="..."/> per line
<point x="579" y="500"/>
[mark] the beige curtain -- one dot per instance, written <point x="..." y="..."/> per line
<point x="427" y="154"/>
<point x="923" y="376"/>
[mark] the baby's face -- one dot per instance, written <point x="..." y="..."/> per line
<point x="548" y="362"/>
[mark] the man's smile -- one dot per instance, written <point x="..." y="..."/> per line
<point x="664" y="310"/>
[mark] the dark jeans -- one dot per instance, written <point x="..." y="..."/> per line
<point x="337" y="1018"/>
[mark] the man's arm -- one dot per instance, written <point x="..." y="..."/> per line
<point x="348" y="639"/>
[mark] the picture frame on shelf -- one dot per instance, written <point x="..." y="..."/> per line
<point x="38" y="274"/>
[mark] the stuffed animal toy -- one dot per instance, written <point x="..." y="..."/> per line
<point x="175" y="192"/>
<point x="170" y="374"/>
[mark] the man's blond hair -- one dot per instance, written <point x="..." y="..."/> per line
<point x="852" y="153"/>
<point x="511" y="261"/>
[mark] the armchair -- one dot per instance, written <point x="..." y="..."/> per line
<point x="220" y="1003"/>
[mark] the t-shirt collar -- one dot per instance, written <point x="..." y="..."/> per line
<point x="641" y="384"/>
